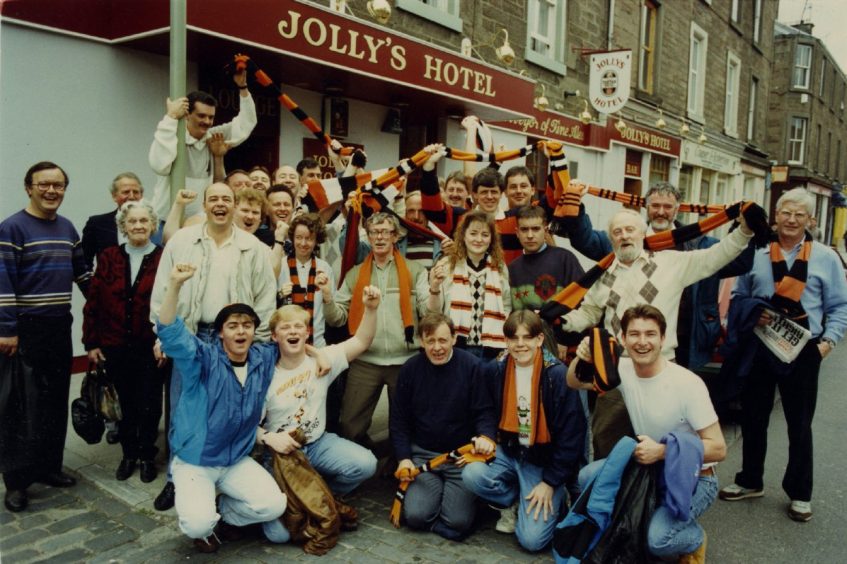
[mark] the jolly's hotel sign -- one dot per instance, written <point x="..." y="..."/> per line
<point x="313" y="33"/>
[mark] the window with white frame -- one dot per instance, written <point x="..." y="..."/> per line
<point x="802" y="66"/>
<point x="647" y="43"/>
<point x="735" y="11"/>
<point x="697" y="71"/>
<point x="443" y="12"/>
<point x="757" y="21"/>
<point x="751" y="108"/>
<point x="822" y="84"/>
<point x="733" y="79"/>
<point x="545" y="34"/>
<point x="797" y="140"/>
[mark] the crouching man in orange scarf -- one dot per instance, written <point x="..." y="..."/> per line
<point x="540" y="435"/>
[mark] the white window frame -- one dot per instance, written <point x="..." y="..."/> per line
<point x="554" y="59"/>
<point x="647" y="47"/>
<point x="733" y="89"/>
<point x="798" y="142"/>
<point x="697" y="54"/>
<point x="802" y="65"/>
<point x="757" y="21"/>
<point x="751" y="108"/>
<point x="735" y="11"/>
<point x="823" y="78"/>
<point x="442" y="12"/>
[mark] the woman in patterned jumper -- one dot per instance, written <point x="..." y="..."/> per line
<point x="471" y="286"/>
<point x="304" y="278"/>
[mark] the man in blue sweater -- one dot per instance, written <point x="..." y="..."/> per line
<point x="40" y="260"/>
<point x="437" y="408"/>
<point x="216" y="418"/>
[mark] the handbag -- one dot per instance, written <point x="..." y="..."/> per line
<point x="106" y="396"/>
<point x="85" y="416"/>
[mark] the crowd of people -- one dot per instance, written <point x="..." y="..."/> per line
<point x="235" y="306"/>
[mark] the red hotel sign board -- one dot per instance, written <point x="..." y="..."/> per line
<point x="313" y="33"/>
<point x="651" y="140"/>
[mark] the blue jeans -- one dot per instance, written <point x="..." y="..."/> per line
<point x="666" y="536"/>
<point x="506" y="481"/>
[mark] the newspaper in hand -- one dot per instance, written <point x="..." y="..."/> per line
<point x="783" y="337"/>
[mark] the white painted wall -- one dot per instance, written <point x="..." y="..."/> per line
<point x="90" y="107"/>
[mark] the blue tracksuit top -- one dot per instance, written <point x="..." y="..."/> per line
<point x="215" y="420"/>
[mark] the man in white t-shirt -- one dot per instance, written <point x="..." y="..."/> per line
<point x="296" y="399"/>
<point x="662" y="397"/>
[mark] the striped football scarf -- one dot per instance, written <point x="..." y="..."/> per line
<point x="431" y="464"/>
<point x="605" y="352"/>
<point x="404" y="284"/>
<point x="304" y="294"/>
<point x="539" y="434"/>
<point x="790" y="284"/>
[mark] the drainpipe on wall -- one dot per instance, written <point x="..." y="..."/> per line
<point x="178" y="55"/>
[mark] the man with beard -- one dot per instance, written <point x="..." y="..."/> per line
<point x="232" y="266"/>
<point x="637" y="276"/>
<point x="698" y="327"/>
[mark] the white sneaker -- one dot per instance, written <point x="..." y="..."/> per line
<point x="800" y="510"/>
<point x="508" y="520"/>
<point x="734" y="492"/>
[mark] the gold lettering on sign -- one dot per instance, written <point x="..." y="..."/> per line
<point x="437" y="70"/>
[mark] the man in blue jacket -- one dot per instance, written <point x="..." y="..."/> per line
<point x="216" y="419"/>
<point x="540" y="434"/>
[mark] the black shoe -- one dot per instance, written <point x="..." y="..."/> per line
<point x="125" y="469"/>
<point x="16" y="500"/>
<point x="57" y="480"/>
<point x="113" y="437"/>
<point x="147" y="471"/>
<point x="165" y="499"/>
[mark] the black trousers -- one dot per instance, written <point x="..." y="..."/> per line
<point x="44" y="343"/>
<point x="798" y="389"/>
<point x="140" y="387"/>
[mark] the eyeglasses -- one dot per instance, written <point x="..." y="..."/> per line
<point x="799" y="216"/>
<point x="45" y="186"/>
<point x="380" y="233"/>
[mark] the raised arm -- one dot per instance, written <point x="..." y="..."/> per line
<point x="361" y="341"/>
<point x="179" y="274"/>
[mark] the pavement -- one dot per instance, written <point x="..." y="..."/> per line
<point x="103" y="520"/>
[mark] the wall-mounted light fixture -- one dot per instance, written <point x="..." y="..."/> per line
<point x="620" y="125"/>
<point x="661" y="123"/>
<point x="702" y="139"/>
<point x="541" y="102"/>
<point x="585" y="115"/>
<point x="380" y="10"/>
<point x="684" y="129"/>
<point x="505" y="54"/>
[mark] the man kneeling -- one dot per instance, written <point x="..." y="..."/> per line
<point x="214" y="423"/>
<point x="540" y="434"/>
<point x="664" y="398"/>
<point x="296" y="399"/>
<point x="439" y="407"/>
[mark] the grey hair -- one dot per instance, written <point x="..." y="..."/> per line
<point x="799" y="196"/>
<point x="124" y="210"/>
<point x="641" y="223"/>
<point x="665" y="189"/>
<point x="121" y="176"/>
<point x="381" y="217"/>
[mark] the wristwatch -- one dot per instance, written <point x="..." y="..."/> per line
<point x="829" y="342"/>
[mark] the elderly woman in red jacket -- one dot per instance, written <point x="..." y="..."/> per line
<point x="116" y="331"/>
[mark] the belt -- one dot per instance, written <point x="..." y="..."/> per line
<point x="710" y="471"/>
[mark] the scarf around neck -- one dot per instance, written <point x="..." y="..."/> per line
<point x="509" y="412"/>
<point x="790" y="283"/>
<point x="303" y="294"/>
<point x="404" y="283"/>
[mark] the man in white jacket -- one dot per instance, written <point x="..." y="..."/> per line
<point x="198" y="109"/>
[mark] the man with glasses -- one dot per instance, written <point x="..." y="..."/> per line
<point x="40" y="259"/>
<point x="404" y="286"/>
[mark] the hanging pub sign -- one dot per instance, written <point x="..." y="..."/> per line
<point x="608" y="84"/>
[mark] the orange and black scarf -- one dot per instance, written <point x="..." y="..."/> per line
<point x="431" y="464"/>
<point x="790" y="284"/>
<point x="539" y="434"/>
<point x="304" y="295"/>
<point x="570" y="297"/>
<point x="404" y="283"/>
<point x="606" y="353"/>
